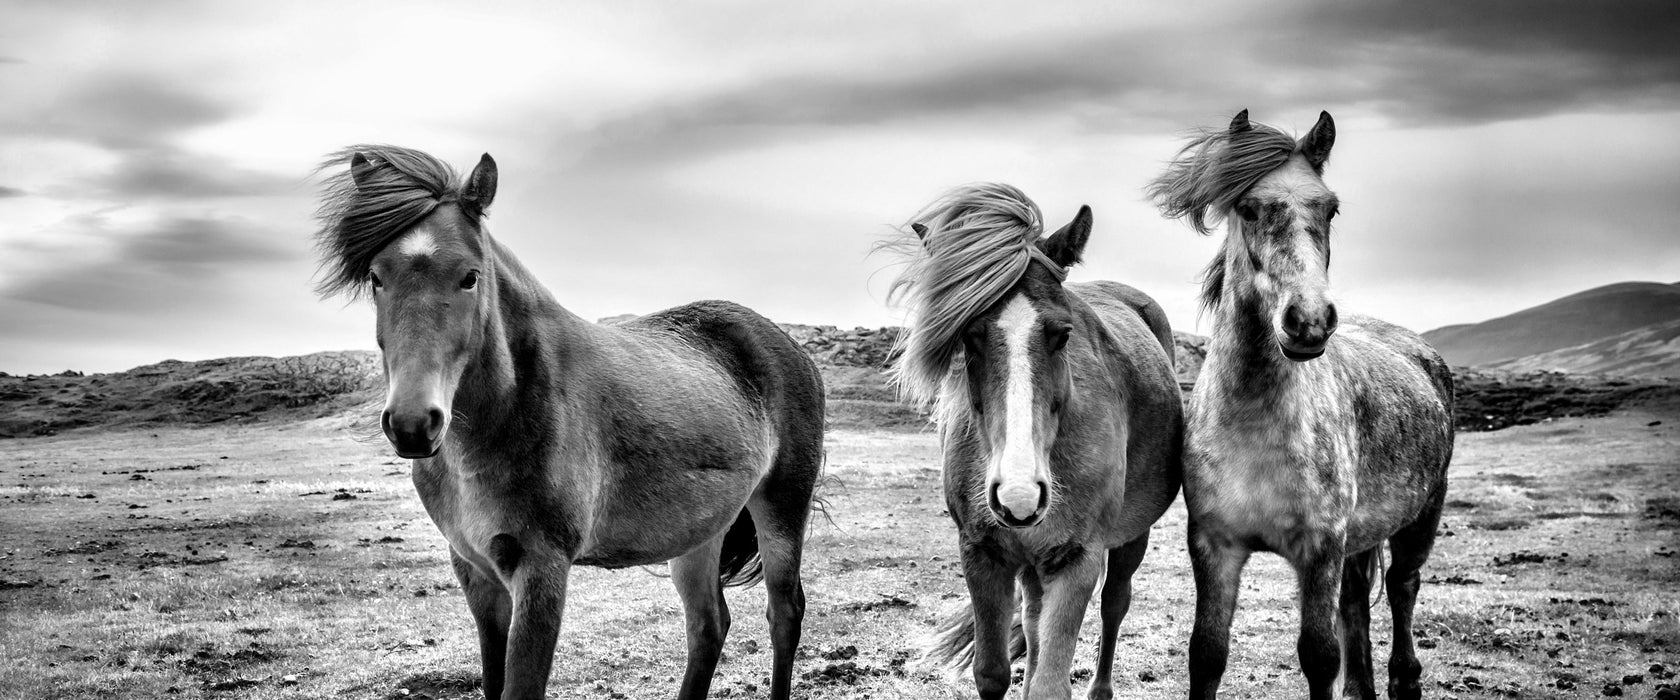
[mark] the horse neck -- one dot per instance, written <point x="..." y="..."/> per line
<point x="527" y="338"/>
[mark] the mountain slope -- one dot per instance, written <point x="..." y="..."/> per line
<point x="1577" y="319"/>
<point x="1651" y="351"/>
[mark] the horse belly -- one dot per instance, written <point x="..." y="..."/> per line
<point x="663" y="520"/>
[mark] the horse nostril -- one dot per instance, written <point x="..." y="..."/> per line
<point x="1331" y="320"/>
<point x="1294" y="322"/>
<point x="385" y="425"/>
<point x="1043" y="497"/>
<point x="434" y="422"/>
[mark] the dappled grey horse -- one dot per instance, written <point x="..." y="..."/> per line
<point x="1313" y="434"/>
<point x="1060" y="422"/>
<point x="542" y="441"/>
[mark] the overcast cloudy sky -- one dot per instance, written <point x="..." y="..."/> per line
<point x="155" y="199"/>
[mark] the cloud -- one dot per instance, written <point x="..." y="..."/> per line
<point x="166" y="267"/>
<point x="11" y="192"/>
<point x="1416" y="64"/>
<point x="122" y="111"/>
<point x="172" y="173"/>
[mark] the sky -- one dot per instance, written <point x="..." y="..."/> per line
<point x="156" y="159"/>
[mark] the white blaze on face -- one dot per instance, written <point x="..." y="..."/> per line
<point x="417" y="242"/>
<point x="1018" y="466"/>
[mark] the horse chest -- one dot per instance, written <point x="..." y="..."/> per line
<point x="1269" y="484"/>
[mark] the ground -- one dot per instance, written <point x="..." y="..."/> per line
<point x="269" y="560"/>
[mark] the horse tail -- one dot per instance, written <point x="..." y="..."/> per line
<point x="951" y="645"/>
<point x="1378" y="570"/>
<point x="740" y="564"/>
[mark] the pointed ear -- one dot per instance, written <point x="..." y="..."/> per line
<point x="361" y="170"/>
<point x="1240" y="123"/>
<point x="921" y="231"/>
<point x="1066" y="245"/>
<point x="1316" y="144"/>
<point x="480" y="189"/>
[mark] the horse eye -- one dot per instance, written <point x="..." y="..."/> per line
<point x="1333" y="212"/>
<point x="1247" y="212"/>
<point x="470" y="281"/>
<point x="1056" y="337"/>
<point x="374" y="278"/>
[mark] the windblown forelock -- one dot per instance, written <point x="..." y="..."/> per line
<point x="1210" y="173"/>
<point x="359" y="220"/>
<point x="980" y="240"/>
<point x="1215" y="168"/>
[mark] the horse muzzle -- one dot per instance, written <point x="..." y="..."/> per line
<point x="1017" y="508"/>
<point x="1306" y="331"/>
<point x="414" y="435"/>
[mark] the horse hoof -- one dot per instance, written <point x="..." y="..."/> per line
<point x="1405" y="691"/>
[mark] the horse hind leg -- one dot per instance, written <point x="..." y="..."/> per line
<point x="1032" y="608"/>
<point x="695" y="575"/>
<point x="1123" y="562"/>
<point x="780" y="510"/>
<point x="1410" y="549"/>
<point x="1354" y="628"/>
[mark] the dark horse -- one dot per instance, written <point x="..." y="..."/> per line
<point x="1061" y="426"/>
<point x="543" y="441"/>
<point x="1315" y="447"/>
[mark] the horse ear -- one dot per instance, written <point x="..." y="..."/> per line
<point x="480" y="189"/>
<point x="1240" y="123"/>
<point x="361" y="170"/>
<point x="1067" y="244"/>
<point x="1316" y="144"/>
<point x="921" y="232"/>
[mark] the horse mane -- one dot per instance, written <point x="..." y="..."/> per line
<point x="978" y="243"/>
<point x="359" y="220"/>
<point x="1207" y="176"/>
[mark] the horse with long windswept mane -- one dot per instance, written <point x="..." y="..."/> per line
<point x="1315" y="447"/>
<point x="1060" y="422"/>
<point x="542" y="441"/>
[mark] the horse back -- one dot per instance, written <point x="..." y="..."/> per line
<point x="1112" y="299"/>
<point x="1402" y="410"/>
<point x="1139" y="353"/>
<point x="769" y="369"/>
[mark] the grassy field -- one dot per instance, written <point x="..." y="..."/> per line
<point x="280" y="561"/>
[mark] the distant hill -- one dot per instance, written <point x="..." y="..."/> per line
<point x="173" y="392"/>
<point x="348" y="386"/>
<point x="1578" y="319"/>
<point x="1650" y="351"/>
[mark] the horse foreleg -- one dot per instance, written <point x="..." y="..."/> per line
<point x="991" y="589"/>
<point x="696" y="577"/>
<point x="1123" y="561"/>
<point x="538" y="591"/>
<point x="491" y="610"/>
<point x="1410" y="549"/>
<point x="1318" y="568"/>
<point x="1355" y="625"/>
<point x="1067" y="592"/>
<point x="1032" y="607"/>
<point x="1217" y="565"/>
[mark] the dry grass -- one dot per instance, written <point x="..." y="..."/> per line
<point x="254" y="574"/>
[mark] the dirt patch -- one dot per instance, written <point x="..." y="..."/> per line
<point x="1665" y="510"/>
<point x="437" y="686"/>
